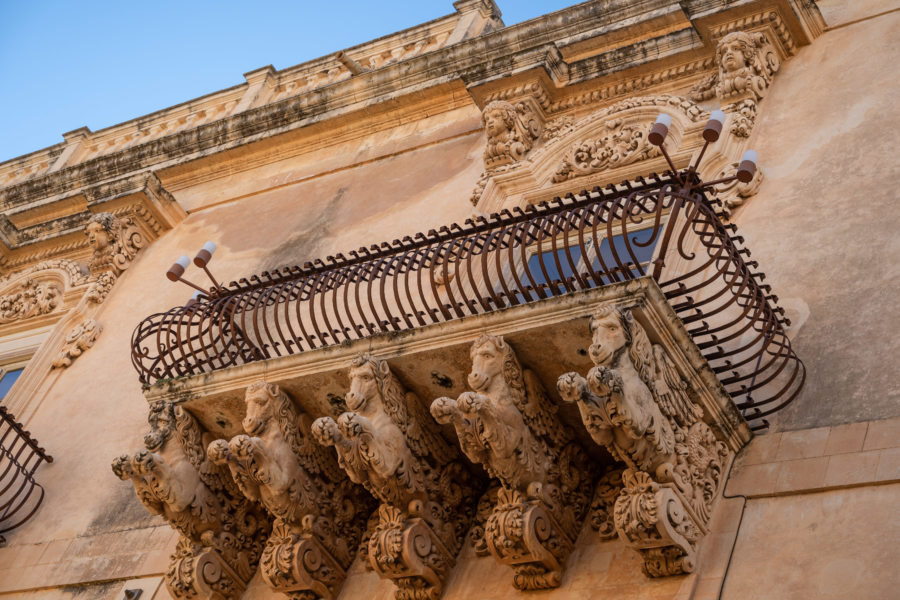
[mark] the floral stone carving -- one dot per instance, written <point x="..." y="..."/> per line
<point x="319" y="514"/>
<point x="508" y="425"/>
<point x="511" y="132"/>
<point x="635" y="403"/>
<point x="747" y="63"/>
<point x="387" y="443"/>
<point x="79" y="339"/>
<point x="222" y="533"/>
<point x="622" y="145"/>
<point x="30" y="299"/>
<point x="115" y="242"/>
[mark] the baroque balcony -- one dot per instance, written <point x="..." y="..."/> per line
<point x="653" y="227"/>
<point x="642" y="287"/>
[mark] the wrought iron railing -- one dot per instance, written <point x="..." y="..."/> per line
<point x="20" y="456"/>
<point x="650" y="227"/>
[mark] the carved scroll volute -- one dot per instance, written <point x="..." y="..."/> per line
<point x="388" y="443"/>
<point x="222" y="533"/>
<point x="319" y="514"/>
<point x="636" y="404"/>
<point x="115" y="242"/>
<point x="508" y="425"/>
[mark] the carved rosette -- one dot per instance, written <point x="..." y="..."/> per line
<point x="508" y="425"/>
<point x="635" y="403"/>
<point x="319" y="515"/>
<point x="622" y="145"/>
<point x="387" y="443"/>
<point x="222" y="533"/>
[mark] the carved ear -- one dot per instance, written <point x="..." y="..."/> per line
<point x="383" y="368"/>
<point x="273" y="389"/>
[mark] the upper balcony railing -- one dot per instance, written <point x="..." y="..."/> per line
<point x="20" y="456"/>
<point x="664" y="227"/>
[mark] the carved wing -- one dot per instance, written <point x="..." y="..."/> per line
<point x="314" y="458"/>
<point x="421" y="435"/>
<point x="539" y="410"/>
<point x="670" y="391"/>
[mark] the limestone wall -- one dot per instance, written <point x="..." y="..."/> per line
<point x="823" y="227"/>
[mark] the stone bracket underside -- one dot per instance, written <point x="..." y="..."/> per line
<point x="646" y="410"/>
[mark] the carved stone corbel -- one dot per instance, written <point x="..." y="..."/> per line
<point x="636" y="404"/>
<point x="508" y="425"/>
<point x="511" y="131"/>
<point x="387" y="443"/>
<point x="222" y="533"/>
<point x="319" y="515"/>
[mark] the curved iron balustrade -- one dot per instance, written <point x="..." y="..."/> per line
<point x="510" y="258"/>
<point x="20" y="456"/>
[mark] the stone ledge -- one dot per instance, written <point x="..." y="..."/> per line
<point x="813" y="460"/>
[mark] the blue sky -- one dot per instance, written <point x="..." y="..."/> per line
<point x="68" y="64"/>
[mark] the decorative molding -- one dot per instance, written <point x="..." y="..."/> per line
<point x="387" y="443"/>
<point x="622" y="145"/>
<point x="29" y="299"/>
<point x="508" y="425"/>
<point x="77" y="342"/>
<point x="115" y="242"/>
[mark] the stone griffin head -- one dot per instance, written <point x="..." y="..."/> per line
<point x="615" y="333"/>
<point x="494" y="366"/>
<point x="511" y="132"/>
<point x="114" y="240"/>
<point x="747" y="62"/>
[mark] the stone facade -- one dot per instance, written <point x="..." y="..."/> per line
<point x="575" y="447"/>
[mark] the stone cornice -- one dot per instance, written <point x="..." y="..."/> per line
<point x="479" y="62"/>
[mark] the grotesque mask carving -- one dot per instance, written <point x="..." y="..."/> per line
<point x="115" y="242"/>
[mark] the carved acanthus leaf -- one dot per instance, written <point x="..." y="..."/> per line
<point x="30" y="299"/>
<point x="621" y="145"/>
<point x="79" y="339"/>
<point x="734" y="193"/>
